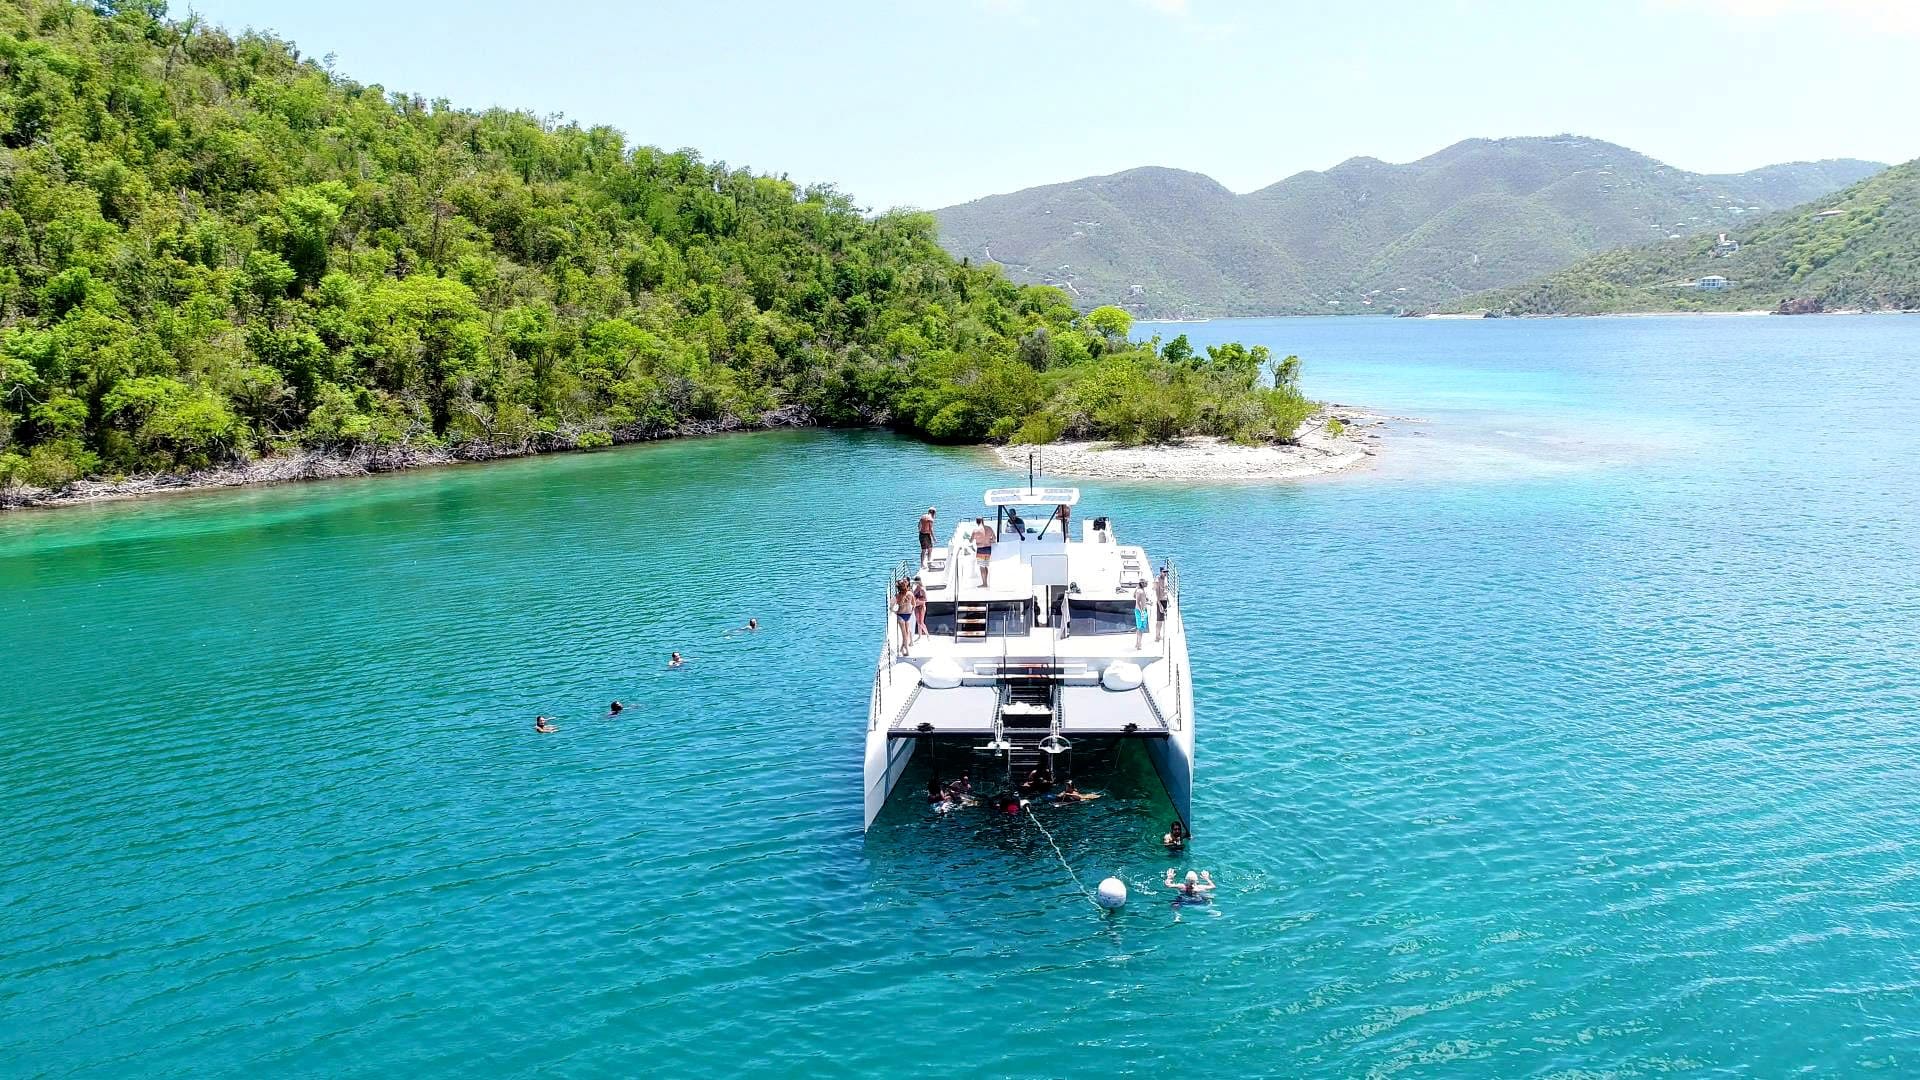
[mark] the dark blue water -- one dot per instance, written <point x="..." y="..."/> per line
<point x="1580" y="734"/>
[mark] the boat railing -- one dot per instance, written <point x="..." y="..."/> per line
<point x="892" y="651"/>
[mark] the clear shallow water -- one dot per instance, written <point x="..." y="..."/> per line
<point x="1578" y="735"/>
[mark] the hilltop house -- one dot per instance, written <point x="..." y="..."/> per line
<point x="1725" y="247"/>
<point x="1712" y="283"/>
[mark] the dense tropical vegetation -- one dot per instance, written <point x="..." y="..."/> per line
<point x="212" y="248"/>
<point x="1858" y="248"/>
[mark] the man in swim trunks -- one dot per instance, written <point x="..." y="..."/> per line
<point x="926" y="537"/>
<point x="1139" y="612"/>
<point x="1161" y="597"/>
<point x="983" y="546"/>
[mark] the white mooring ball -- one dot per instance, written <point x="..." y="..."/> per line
<point x="1111" y="894"/>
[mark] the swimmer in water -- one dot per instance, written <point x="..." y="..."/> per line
<point x="615" y="709"/>
<point x="1071" y="793"/>
<point x="674" y="660"/>
<point x="543" y="725"/>
<point x="1176" y="838"/>
<point x="1196" y="889"/>
<point x="752" y="625"/>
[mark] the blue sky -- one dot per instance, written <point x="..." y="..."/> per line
<point x="930" y="102"/>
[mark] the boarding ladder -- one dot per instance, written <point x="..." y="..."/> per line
<point x="970" y="619"/>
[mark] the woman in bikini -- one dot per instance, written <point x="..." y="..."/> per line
<point x="903" y="611"/>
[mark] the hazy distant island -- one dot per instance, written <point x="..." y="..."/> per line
<point x="223" y="263"/>
<point x="1854" y="250"/>
<point x="1365" y="236"/>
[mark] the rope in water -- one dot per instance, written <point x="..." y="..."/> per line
<point x="1035" y="818"/>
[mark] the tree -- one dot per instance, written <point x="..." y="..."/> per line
<point x="1110" y="323"/>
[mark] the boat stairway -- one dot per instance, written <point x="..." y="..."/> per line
<point x="970" y="619"/>
<point x="1027" y="718"/>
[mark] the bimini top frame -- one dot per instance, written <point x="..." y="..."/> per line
<point x="1032" y="496"/>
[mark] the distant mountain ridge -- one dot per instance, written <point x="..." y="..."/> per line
<point x="1364" y="235"/>
<point x="1857" y="248"/>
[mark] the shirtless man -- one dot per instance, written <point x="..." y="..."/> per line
<point x="983" y="546"/>
<point x="926" y="537"/>
<point x="1161" y="595"/>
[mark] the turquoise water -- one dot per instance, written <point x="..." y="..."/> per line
<point x="1578" y="735"/>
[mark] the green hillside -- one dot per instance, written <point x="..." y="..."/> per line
<point x="1364" y="235"/>
<point x="1856" y="248"/>
<point x="213" y="248"/>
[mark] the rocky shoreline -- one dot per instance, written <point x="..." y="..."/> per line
<point x="1318" y="451"/>
<point x="361" y="461"/>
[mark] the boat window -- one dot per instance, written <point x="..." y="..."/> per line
<point x="941" y="619"/>
<point x="1100" y="616"/>
<point x="1010" y="618"/>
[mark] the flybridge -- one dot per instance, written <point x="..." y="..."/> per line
<point x="1032" y="496"/>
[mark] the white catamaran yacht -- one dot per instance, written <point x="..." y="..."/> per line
<point x="1038" y="660"/>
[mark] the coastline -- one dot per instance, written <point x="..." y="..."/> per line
<point x="1316" y="452"/>
<point x="360" y="461"/>
<point x="1741" y="314"/>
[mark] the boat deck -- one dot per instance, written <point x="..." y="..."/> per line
<point x="1084" y="710"/>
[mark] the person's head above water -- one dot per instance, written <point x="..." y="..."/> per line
<point x="1193" y="878"/>
<point x="753" y="624"/>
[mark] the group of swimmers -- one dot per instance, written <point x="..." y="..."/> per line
<point x="957" y="793"/>
<point x="544" y="725"/>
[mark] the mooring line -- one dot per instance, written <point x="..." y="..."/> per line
<point x="1035" y="818"/>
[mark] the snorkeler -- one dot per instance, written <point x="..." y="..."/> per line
<point x="1196" y="889"/>
<point x="543" y="725"/>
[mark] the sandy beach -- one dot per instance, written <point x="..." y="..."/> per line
<point x="1317" y="452"/>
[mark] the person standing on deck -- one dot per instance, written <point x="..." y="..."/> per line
<point x="1161" y="596"/>
<point x="919" y="608"/>
<point x="926" y="537"/>
<point x="983" y="546"/>
<point x="1139" y="612"/>
<point x="903" y="612"/>
<point x="1062" y="513"/>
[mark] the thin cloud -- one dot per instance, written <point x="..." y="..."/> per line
<point x="1899" y="16"/>
<point x="1168" y="7"/>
